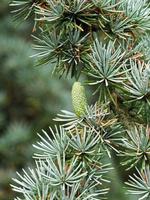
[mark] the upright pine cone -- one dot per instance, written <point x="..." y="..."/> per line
<point x="79" y="99"/>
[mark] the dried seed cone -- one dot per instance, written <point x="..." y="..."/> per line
<point x="79" y="100"/>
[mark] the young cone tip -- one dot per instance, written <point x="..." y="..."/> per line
<point x="79" y="99"/>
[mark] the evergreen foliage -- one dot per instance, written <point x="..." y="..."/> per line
<point x="108" y="42"/>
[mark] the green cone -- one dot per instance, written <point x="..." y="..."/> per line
<point x="79" y="100"/>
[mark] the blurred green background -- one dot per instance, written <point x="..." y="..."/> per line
<point x="29" y="98"/>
